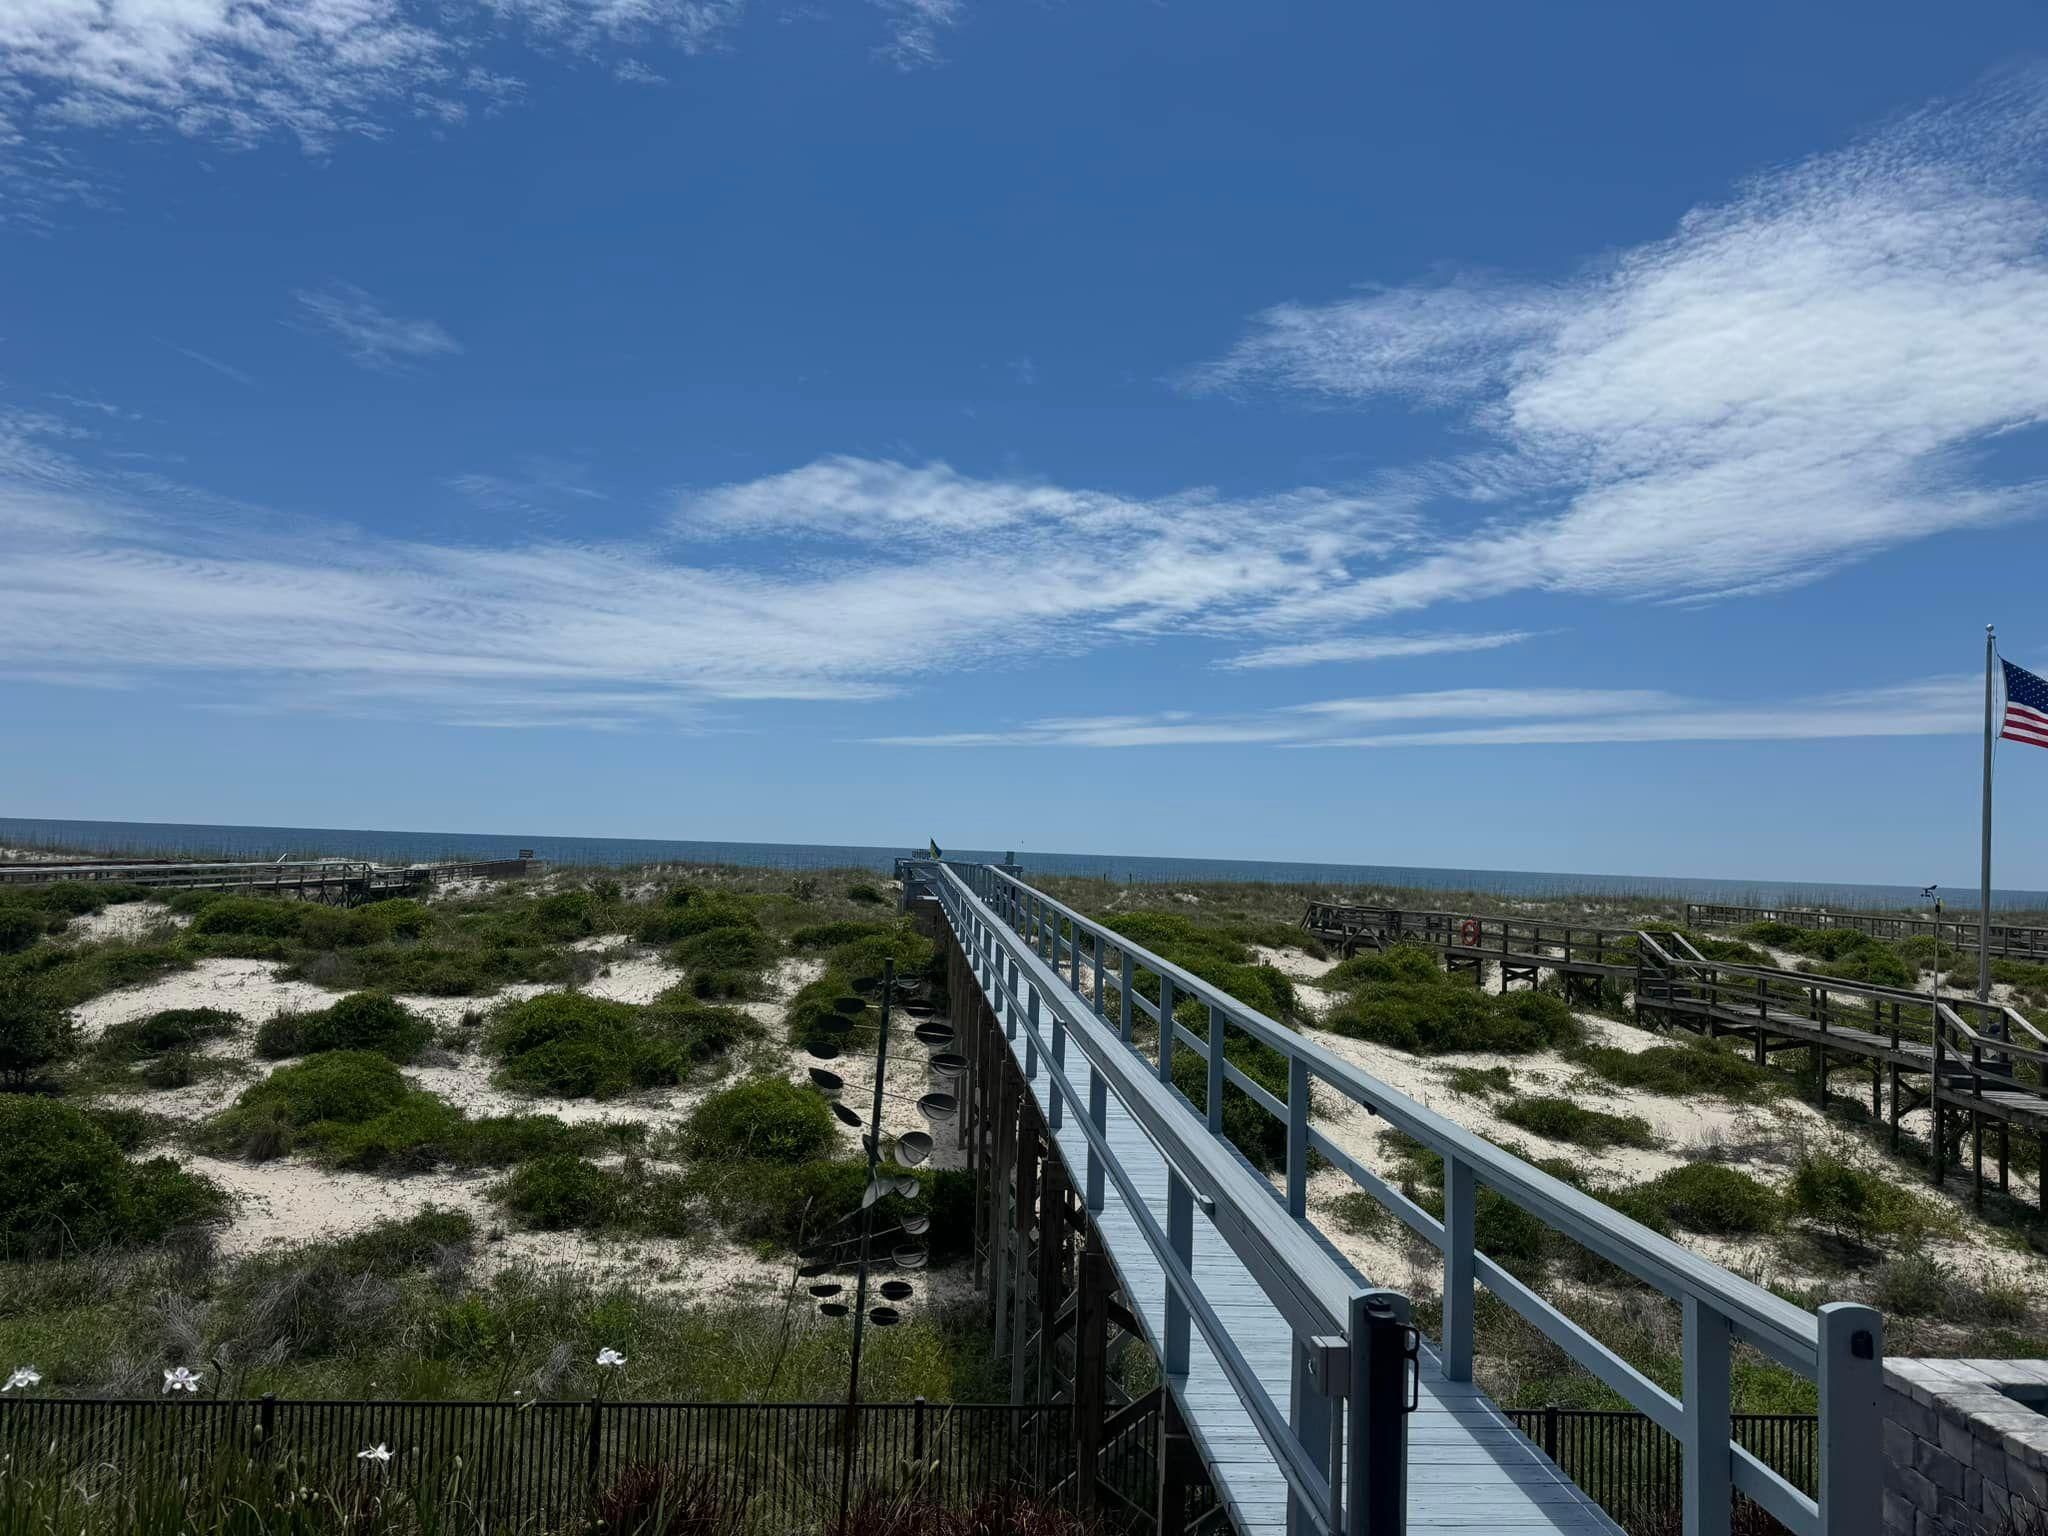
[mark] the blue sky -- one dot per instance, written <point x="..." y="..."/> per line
<point x="1583" y="438"/>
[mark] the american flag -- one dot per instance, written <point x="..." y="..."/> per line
<point x="2026" y="706"/>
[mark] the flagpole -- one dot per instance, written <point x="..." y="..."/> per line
<point x="1984" y="887"/>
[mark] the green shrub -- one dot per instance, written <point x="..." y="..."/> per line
<point x="1773" y="933"/>
<point x="1852" y="1202"/>
<point x="832" y="935"/>
<point x="787" y="1204"/>
<point x="577" y="1046"/>
<point x="1215" y="955"/>
<point x="64" y="1184"/>
<point x="35" y="1030"/>
<point x="688" y="910"/>
<point x="362" y="1021"/>
<point x="1697" y="1068"/>
<point x="170" y="1029"/>
<point x="19" y="929"/>
<point x="1400" y="963"/>
<point x="252" y="916"/>
<point x="766" y="1119"/>
<point x="1261" y="1137"/>
<point x="1704" y="1197"/>
<point x="399" y="917"/>
<point x="560" y="1192"/>
<point x="724" y="962"/>
<point x="865" y="893"/>
<point x="1478" y="1082"/>
<point x="130" y="1129"/>
<point x="1358" y="1213"/>
<point x="76" y="974"/>
<point x="1444" y="1016"/>
<point x="1565" y="1120"/>
<point x="308" y="1102"/>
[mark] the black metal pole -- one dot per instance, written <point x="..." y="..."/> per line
<point x="867" y="1233"/>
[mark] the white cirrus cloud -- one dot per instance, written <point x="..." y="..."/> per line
<point x="1792" y="379"/>
<point x="135" y="576"/>
<point x="1308" y="653"/>
<point x="370" y="335"/>
<point x="1512" y="717"/>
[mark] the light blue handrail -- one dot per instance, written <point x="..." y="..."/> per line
<point x="1839" y="1346"/>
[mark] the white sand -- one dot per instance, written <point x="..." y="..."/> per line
<point x="123" y="920"/>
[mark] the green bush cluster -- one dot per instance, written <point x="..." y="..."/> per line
<point x="766" y="1119"/>
<point x="852" y="960"/>
<point x="65" y="1185"/>
<point x="1845" y="953"/>
<point x="362" y="1021"/>
<point x="71" y="975"/>
<point x="1859" y="1203"/>
<point x="717" y="937"/>
<point x="28" y="912"/>
<point x="1478" y="1082"/>
<point x="35" y="1030"/>
<point x="1703" y="1197"/>
<point x="1561" y="1119"/>
<point x="576" y="1046"/>
<point x="1217" y="955"/>
<point x="1694" y="1069"/>
<point x="1401" y="997"/>
<point x="1920" y="1285"/>
<point x="168" y="1029"/>
<point x="832" y="935"/>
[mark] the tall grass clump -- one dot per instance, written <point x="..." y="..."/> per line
<point x="1703" y="1197"/>
<point x="1697" y="1068"/>
<point x="35" y="1030"/>
<point x="1858" y="1203"/>
<point x="1561" y="1119"/>
<point x="575" y="1046"/>
<point x="916" y="957"/>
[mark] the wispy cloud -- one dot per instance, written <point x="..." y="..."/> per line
<point x="914" y="29"/>
<point x="856" y="605"/>
<point x="1791" y="380"/>
<point x="370" y="335"/>
<point x="1515" y="717"/>
<point x="225" y="370"/>
<point x="1308" y="653"/>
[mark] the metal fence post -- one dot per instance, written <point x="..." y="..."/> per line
<point x="917" y="1433"/>
<point x="1180" y="1236"/>
<point x="266" y="1424"/>
<point x="1309" y="1414"/>
<point x="1376" y="1417"/>
<point x="1459" y="1270"/>
<point x="1709" y="1463"/>
<point x="596" y="1442"/>
<point x="1214" y="1093"/>
<point x="1297" y="1137"/>
<point x="1550" y="1430"/>
<point x="1851" y="1372"/>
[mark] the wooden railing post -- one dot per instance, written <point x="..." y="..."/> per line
<point x="1709" y="1463"/>
<point x="1460" y="1272"/>
<point x="1126" y="1009"/>
<point x="1297" y="1137"/>
<point x="1214" y="1105"/>
<point x="1166" y="1029"/>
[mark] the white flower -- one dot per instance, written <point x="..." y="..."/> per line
<point x="24" y="1376"/>
<point x="181" y="1380"/>
<point x="380" y="1453"/>
<point x="610" y="1358"/>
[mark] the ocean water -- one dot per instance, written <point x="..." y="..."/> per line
<point x="142" y="838"/>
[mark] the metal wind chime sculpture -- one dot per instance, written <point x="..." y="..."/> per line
<point x="836" y="1248"/>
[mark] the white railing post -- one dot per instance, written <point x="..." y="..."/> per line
<point x="1180" y="1237"/>
<point x="1214" y="1105"/>
<point x="1851" y="1375"/>
<point x="1297" y="1137"/>
<point x="1709" y="1463"/>
<point x="1459" y="1270"/>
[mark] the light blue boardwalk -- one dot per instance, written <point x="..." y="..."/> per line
<point x="1468" y="1467"/>
<point x="1264" y="1334"/>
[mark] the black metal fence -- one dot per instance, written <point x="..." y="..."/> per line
<point x="1634" y="1469"/>
<point x="537" y="1465"/>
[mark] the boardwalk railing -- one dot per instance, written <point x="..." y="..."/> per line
<point x="356" y="876"/>
<point x="1343" y="1463"/>
<point x="2007" y="940"/>
<point x="1840" y="1347"/>
<point x="537" y="1465"/>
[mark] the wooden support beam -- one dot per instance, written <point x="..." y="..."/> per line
<point x="1091" y="1371"/>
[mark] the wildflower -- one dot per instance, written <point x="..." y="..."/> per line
<point x="610" y="1358"/>
<point x="379" y="1453"/>
<point x="181" y="1379"/>
<point x="24" y="1376"/>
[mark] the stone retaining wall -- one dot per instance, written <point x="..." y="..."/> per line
<point x="1963" y="1456"/>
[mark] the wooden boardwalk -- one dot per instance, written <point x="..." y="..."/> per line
<point x="350" y="880"/>
<point x="1469" y="1469"/>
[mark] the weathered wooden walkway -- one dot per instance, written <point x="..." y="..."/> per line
<point x="342" y="880"/>
<point x="2007" y="941"/>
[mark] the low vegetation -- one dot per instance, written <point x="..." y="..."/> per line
<point x="362" y="1021"/>
<point x="1561" y="1119"/>
<point x="575" y="1046"/>
<point x="1695" y="1068"/>
<point x="1703" y="1197"/>
<point x="1402" y="997"/>
<point x="67" y="1187"/>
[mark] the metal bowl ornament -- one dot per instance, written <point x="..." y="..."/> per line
<point x="909" y="1255"/>
<point x="949" y="1062"/>
<point x="913" y="1147"/>
<point x="917" y="1226"/>
<point x="846" y="1116"/>
<point x="849" y="1005"/>
<point x="936" y="1106"/>
<point x="831" y="1082"/>
<point x="833" y="1309"/>
<point x="884" y="1317"/>
<point x="866" y="983"/>
<point x="822" y="1291"/>
<point x="934" y="1034"/>
<point x="897" y="1290"/>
